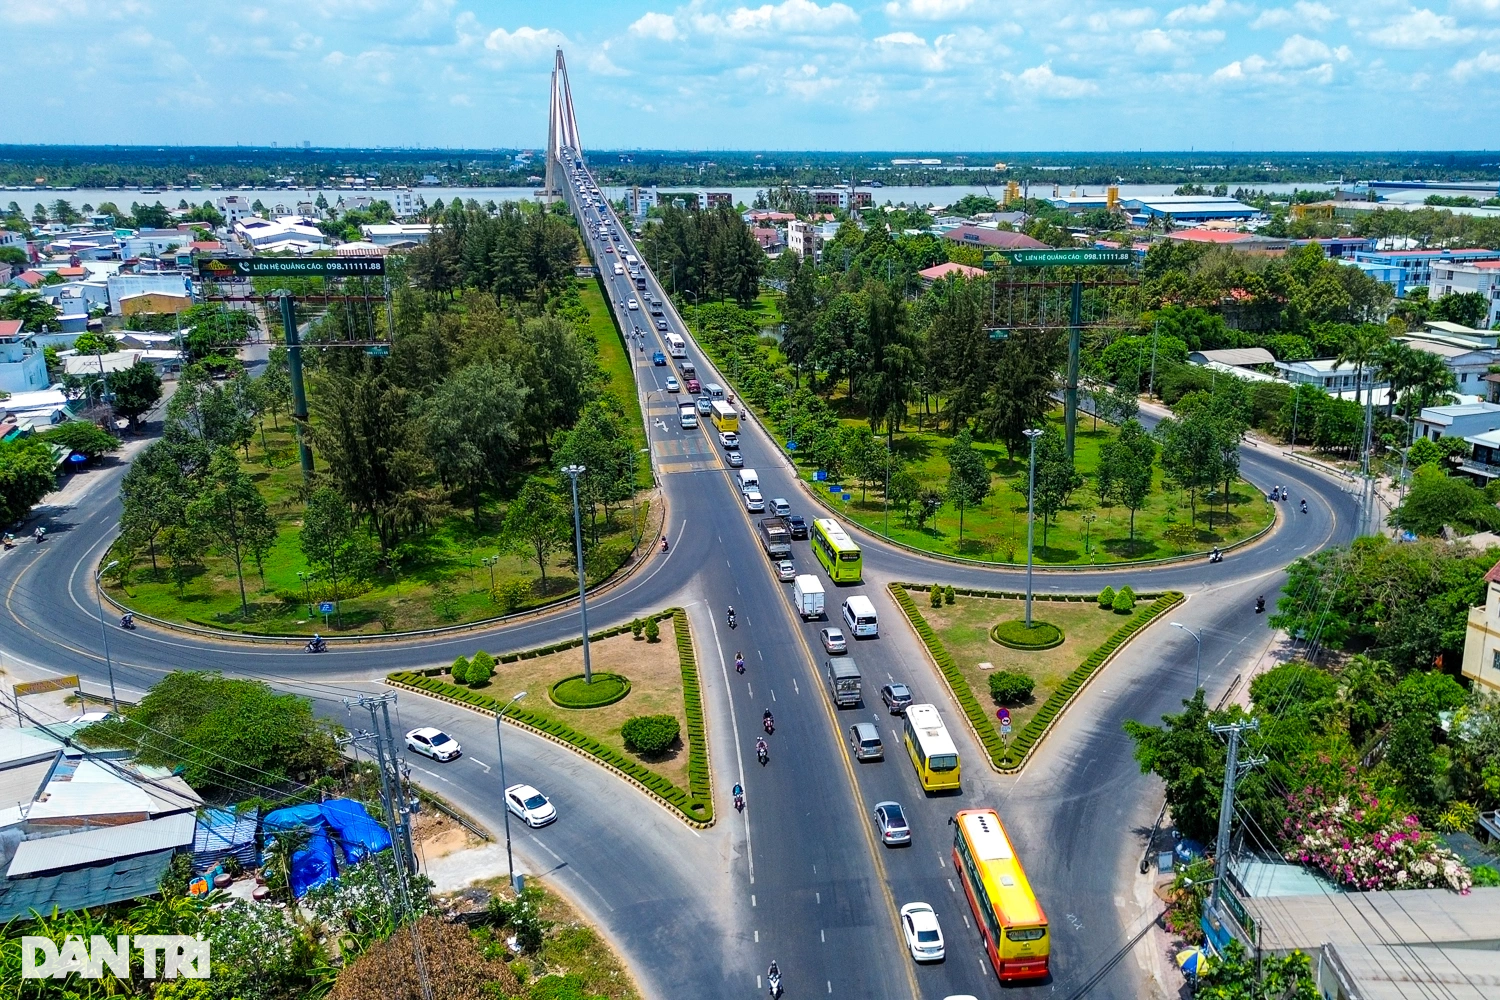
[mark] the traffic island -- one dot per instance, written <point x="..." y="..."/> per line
<point x="962" y="643"/>
<point x="1017" y="634"/>
<point x="632" y="677"/>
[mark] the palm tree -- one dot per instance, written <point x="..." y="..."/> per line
<point x="1362" y="349"/>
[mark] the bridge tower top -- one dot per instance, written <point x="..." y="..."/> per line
<point x="562" y="128"/>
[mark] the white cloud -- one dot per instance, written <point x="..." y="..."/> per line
<point x="1311" y="16"/>
<point x="654" y="25"/>
<point x="1174" y="41"/>
<point x="793" y="17"/>
<point x="1484" y="63"/>
<point x="1242" y="69"/>
<point x="927" y="10"/>
<point x="1117" y="20"/>
<point x="524" y="43"/>
<point x="1299" y="50"/>
<point x="1198" y="14"/>
<point x="1420" y="29"/>
<point x="1045" y="83"/>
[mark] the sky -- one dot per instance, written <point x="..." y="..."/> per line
<point x="916" y="75"/>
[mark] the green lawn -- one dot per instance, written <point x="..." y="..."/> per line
<point x="964" y="627"/>
<point x="614" y="358"/>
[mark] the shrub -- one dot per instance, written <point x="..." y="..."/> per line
<point x="637" y="627"/>
<point x="606" y="689"/>
<point x="1484" y="875"/>
<point x="1015" y="634"/>
<point x="460" y="670"/>
<point x="1124" y="602"/>
<point x="1010" y="687"/>
<point x="653" y="630"/>
<point x="937" y="595"/>
<point x="650" y="734"/>
<point x="481" y="669"/>
<point x="512" y="595"/>
<point x="948" y="594"/>
<point x="1107" y="598"/>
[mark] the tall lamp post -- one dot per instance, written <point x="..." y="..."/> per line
<point x="1088" y="522"/>
<point x="1032" y="433"/>
<point x="510" y="866"/>
<point x="1198" y="666"/>
<point x="573" y="472"/>
<point x="306" y="591"/>
<point x="104" y="632"/>
<point x="490" y="561"/>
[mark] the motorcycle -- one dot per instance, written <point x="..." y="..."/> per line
<point x="731" y="619"/>
<point x="316" y="646"/>
<point x="739" y="663"/>
<point x="739" y="799"/>
<point x="762" y="754"/>
<point x="39" y="534"/>
<point x="127" y="622"/>
<point x="1215" y="556"/>
<point x="664" y="543"/>
<point x="1304" y="506"/>
<point x="1260" y="605"/>
<point x="10" y="540"/>
<point x="773" y="978"/>
<point x="768" y="724"/>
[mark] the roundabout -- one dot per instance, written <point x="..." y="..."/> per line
<point x="1019" y="635"/>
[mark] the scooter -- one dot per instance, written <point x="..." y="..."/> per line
<point x="739" y="664"/>
<point x="10" y="540"/>
<point x="762" y="754"/>
<point x="1260" y="605"/>
<point x="1304" y="506"/>
<point x="39" y="534"/>
<point x="1216" y="556"/>
<point x="774" y="980"/>
<point x="768" y="724"/>
<point x="664" y="543"/>
<point x="739" y="799"/>
<point x="731" y="620"/>
<point x="127" y="622"/>
<point x="316" y="646"/>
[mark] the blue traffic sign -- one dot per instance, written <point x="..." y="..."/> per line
<point x="820" y="475"/>
<point x="835" y="489"/>
<point x="845" y="497"/>
<point x="791" y="446"/>
<point x="326" y="607"/>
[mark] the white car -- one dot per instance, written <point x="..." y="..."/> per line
<point x="434" y="743"/>
<point x="672" y="385"/>
<point x="730" y="440"/>
<point x="530" y="805"/>
<point x="923" y="936"/>
<point x="754" y="503"/>
<point x="88" y="718"/>
<point x="632" y="304"/>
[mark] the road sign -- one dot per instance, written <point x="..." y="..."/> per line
<point x="325" y="607"/>
<point x="820" y="475"/>
<point x="1003" y="714"/>
<point x="379" y="350"/>
<point x="998" y="333"/>
<point x="234" y="268"/>
<point x="835" y="489"/>
<point x="1005" y="728"/>
<point x="791" y="446"/>
<point x="1068" y="256"/>
<point x="844" y="497"/>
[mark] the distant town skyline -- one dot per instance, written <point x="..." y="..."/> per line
<point x="926" y="75"/>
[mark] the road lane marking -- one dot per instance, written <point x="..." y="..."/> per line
<point x="795" y="687"/>
<point x="821" y="936"/>
<point x="819" y="897"/>
<point x="739" y="758"/>
<point x="950" y="886"/>
<point x="757" y="937"/>
<point x="752" y="899"/>
<point x="571" y="870"/>
<point x="773" y="694"/>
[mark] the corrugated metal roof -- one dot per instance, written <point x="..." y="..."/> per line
<point x="106" y="844"/>
<point x="1411" y="916"/>
<point x="1238" y="356"/>
<point x="18" y="745"/>
<point x="20" y="784"/>
<point x="76" y="889"/>
<point x="1408" y="972"/>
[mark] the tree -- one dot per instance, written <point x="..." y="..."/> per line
<point x="599" y="444"/>
<point x="889" y="368"/>
<point x="87" y="439"/>
<point x="96" y="343"/>
<point x="904" y="490"/>
<point x="1437" y="499"/>
<point x="1190" y="453"/>
<point x="27" y="473"/>
<point x="968" y="477"/>
<point x="210" y="410"/>
<point x="328" y="537"/>
<point x="557" y="368"/>
<point x="1236" y="977"/>
<point x="229" y="509"/>
<point x="136" y="390"/>
<point x="224" y="733"/>
<point x="1126" y="469"/>
<point x="1022" y="387"/>
<point x="473" y="428"/>
<point x="1464" y="308"/>
<point x="1056" y="478"/>
<point x="31" y="309"/>
<point x="1362" y="349"/>
<point x="537" y="521"/>
<point x="276" y="385"/>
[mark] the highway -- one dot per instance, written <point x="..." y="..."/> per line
<point x="798" y="877"/>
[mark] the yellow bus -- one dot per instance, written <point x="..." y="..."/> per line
<point x="724" y="416"/>
<point x="931" y="748"/>
<point x="1010" y="919"/>
<point x="835" y="550"/>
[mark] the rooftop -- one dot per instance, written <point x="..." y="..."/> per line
<point x="940" y="271"/>
<point x="1237" y="356"/>
<point x="1208" y="235"/>
<point x="1447" y="414"/>
<point x="999" y="238"/>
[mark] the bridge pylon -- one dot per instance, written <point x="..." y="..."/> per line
<point x="562" y="129"/>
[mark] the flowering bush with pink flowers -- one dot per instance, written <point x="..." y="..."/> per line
<point x="1336" y="823"/>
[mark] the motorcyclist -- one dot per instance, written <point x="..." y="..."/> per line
<point x="39" y="534"/>
<point x="767" y="720"/>
<point x="729" y="616"/>
<point x="773" y="977"/>
<point x="1260" y="605"/>
<point x="739" y="662"/>
<point x="1304" y="506"/>
<point x="664" y="543"/>
<point x="127" y="620"/>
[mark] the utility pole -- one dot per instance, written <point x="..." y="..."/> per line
<point x="1070" y="392"/>
<point x="573" y="472"/>
<point x="1151" y="382"/>
<point x="1233" y="769"/>
<point x="1032" y="434"/>
<point x="294" y="369"/>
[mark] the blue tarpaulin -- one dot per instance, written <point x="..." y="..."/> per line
<point x="313" y="865"/>
<point x="356" y="832"/>
<point x="292" y="817"/>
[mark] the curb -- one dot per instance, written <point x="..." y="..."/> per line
<point x="541" y="611"/>
<point x="670" y="809"/>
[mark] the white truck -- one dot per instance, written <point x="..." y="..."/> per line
<point x="688" y="415"/>
<point x="807" y="591"/>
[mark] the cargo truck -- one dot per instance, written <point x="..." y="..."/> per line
<point x="843" y="682"/>
<point x="775" y="538"/>
<point x="807" y="591"/>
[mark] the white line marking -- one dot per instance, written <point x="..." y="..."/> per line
<point x="757" y="937"/>
<point x="950" y="886"/>
<point x="795" y="687"/>
<point x="752" y="899"/>
<point x="819" y="897"/>
<point x="739" y="758"/>
<point x="821" y="936"/>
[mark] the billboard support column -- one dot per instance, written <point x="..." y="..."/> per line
<point x="1070" y="394"/>
<point x="294" y="369"/>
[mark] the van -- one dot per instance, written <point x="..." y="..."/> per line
<point x="714" y="390"/>
<point x="688" y="369"/>
<point x="688" y="416"/>
<point x="859" y="615"/>
<point x="748" y="479"/>
<point x="864" y="740"/>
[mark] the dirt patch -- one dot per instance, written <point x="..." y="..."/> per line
<point x="655" y="689"/>
<point x="436" y="835"/>
<point x="964" y="626"/>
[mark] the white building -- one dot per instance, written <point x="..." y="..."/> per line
<point x="1455" y="278"/>
<point x="234" y="207"/>
<point x="153" y="243"/>
<point x="22" y="366"/>
<point x="285" y="233"/>
<point x="397" y="234"/>
<point x="802" y="239"/>
<point x="122" y="286"/>
<point x="403" y="202"/>
<point x="640" y="200"/>
<point x="1468" y="364"/>
<point x="1482" y="637"/>
<point x="1458" y="420"/>
<point x="1326" y="374"/>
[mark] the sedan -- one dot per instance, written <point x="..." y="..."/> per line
<point x="896" y="697"/>
<point x="735" y="460"/>
<point x="692" y="385"/>
<point x="730" y="440"/>
<point x="530" y="805"/>
<point x="632" y="304"/>
<point x="672" y="385"/>
<point x="608" y="248"/>
<point x="661" y="324"/>
<point x="891" y="823"/>
<point x="434" y="743"/>
<point x="658" y="358"/>
<point x="833" y="640"/>
<point x="797" y="525"/>
<point x="923" y="936"/>
<point x="786" y="570"/>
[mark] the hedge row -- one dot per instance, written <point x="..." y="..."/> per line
<point x="1021" y="596"/>
<point x="1013" y="756"/>
<point x="696" y="803"/>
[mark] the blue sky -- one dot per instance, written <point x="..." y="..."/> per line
<point x="798" y="74"/>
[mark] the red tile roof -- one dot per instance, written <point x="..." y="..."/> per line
<point x="208" y="245"/>
<point x="30" y="277"/>
<point x="10" y="327"/>
<point x="940" y="271"/>
<point x="999" y="238"/>
<point x="72" y="272"/>
<point x="1493" y="576"/>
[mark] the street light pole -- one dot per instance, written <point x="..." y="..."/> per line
<point x="1088" y="522"/>
<point x="510" y="866"/>
<point x="573" y="472"/>
<point x="104" y="632"/>
<point x="1198" y="666"/>
<point x="1032" y="433"/>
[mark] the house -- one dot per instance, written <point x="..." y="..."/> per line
<point x="117" y="361"/>
<point x="28" y="280"/>
<point x="155" y="302"/>
<point x="1235" y="357"/>
<point x="153" y="243"/>
<point x="1404" y="270"/>
<point x="235" y="207"/>
<point x="286" y="233"/>
<point x="23" y="368"/>
<point x="1327" y="374"/>
<point x="401" y="200"/>
<point x="360" y="248"/>
<point x="1458" y="420"/>
<point x="640" y="200"/>
<point x="802" y="239"/>
<point x="397" y="234"/>
<point x="998" y="239"/>
<point x="938" y="272"/>
<point x="716" y="199"/>
<point x="1459" y="277"/>
<point x="39" y="407"/>
<point x="1467" y="364"/>
<point x="1244" y="242"/>
<point x="122" y="286"/>
<point x="768" y="238"/>
<point x="82" y="828"/>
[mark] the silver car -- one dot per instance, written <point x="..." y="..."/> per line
<point x="891" y="823"/>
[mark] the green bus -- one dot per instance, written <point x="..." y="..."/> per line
<point x="835" y="550"/>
